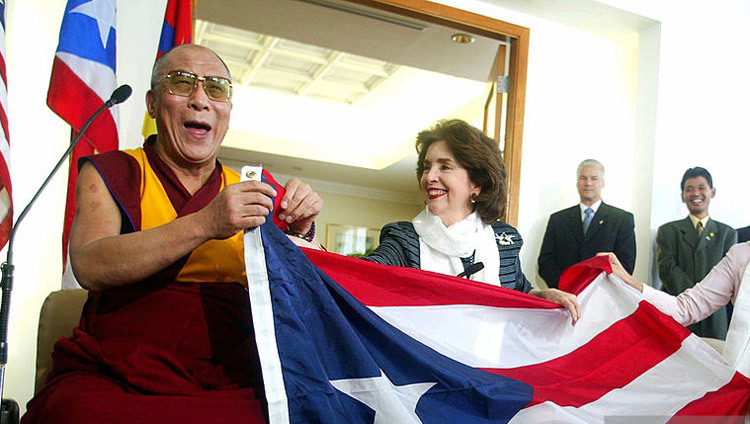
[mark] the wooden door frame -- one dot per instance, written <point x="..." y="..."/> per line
<point x="517" y="69"/>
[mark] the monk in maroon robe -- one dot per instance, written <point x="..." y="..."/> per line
<point x="167" y="334"/>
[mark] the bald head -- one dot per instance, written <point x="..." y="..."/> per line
<point x="164" y="63"/>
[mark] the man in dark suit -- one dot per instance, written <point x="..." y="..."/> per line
<point x="743" y="234"/>
<point x="580" y="232"/>
<point x="687" y="249"/>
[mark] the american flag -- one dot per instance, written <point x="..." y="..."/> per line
<point x="6" y="202"/>
<point x="349" y="341"/>
<point x="83" y="78"/>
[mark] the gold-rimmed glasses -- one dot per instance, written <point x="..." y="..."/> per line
<point x="183" y="83"/>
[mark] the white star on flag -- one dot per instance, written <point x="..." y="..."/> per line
<point x="104" y="12"/>
<point x="391" y="403"/>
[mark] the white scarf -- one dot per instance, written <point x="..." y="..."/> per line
<point x="441" y="248"/>
<point x="737" y="347"/>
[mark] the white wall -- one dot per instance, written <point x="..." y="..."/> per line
<point x="648" y="103"/>
<point x="703" y="106"/>
<point x="581" y="97"/>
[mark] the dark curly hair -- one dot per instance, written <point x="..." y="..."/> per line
<point x="479" y="155"/>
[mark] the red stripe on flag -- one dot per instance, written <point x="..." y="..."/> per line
<point x="396" y="286"/>
<point x="181" y="20"/>
<point x="3" y="115"/>
<point x="2" y="68"/>
<point x="731" y="399"/>
<point x="606" y="362"/>
<point x="5" y="227"/>
<point x="75" y="102"/>
<point x="4" y="122"/>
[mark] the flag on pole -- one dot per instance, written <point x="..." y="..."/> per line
<point x="177" y="29"/>
<point x="357" y="342"/>
<point x="6" y="202"/>
<point x="83" y="78"/>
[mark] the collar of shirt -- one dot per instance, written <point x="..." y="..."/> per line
<point x="594" y="207"/>
<point x="695" y="220"/>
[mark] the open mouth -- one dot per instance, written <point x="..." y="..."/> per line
<point x="197" y="128"/>
<point x="434" y="193"/>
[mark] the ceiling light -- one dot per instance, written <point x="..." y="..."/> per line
<point x="461" y="38"/>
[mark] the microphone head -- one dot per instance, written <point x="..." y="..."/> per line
<point x="120" y="94"/>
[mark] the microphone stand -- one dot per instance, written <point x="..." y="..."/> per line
<point x="118" y="96"/>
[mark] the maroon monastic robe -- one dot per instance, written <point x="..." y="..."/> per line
<point x="176" y="347"/>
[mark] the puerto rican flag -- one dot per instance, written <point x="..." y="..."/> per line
<point x="83" y="78"/>
<point x="343" y="340"/>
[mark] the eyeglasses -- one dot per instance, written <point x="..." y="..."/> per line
<point x="182" y="83"/>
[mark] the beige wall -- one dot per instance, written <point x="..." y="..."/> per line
<point x="361" y="212"/>
<point x="359" y="208"/>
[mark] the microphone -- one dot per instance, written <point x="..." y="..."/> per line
<point x="118" y="96"/>
<point x="471" y="270"/>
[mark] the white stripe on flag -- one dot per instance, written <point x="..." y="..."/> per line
<point x="259" y="292"/>
<point x="4" y="203"/>
<point x="490" y="337"/>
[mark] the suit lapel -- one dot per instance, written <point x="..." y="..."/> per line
<point x="598" y="220"/>
<point x="689" y="236"/>
<point x="709" y="233"/>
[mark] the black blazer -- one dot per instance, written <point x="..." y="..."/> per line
<point x="611" y="230"/>
<point x="743" y="234"/>
<point x="399" y="246"/>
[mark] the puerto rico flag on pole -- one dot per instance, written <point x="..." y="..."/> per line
<point x="83" y="78"/>
<point x="348" y="341"/>
<point x="6" y="202"/>
<point x="177" y="29"/>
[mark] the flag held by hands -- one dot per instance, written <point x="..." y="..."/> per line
<point x="357" y="342"/>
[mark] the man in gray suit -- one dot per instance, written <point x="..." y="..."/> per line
<point x="581" y="231"/>
<point x="687" y="249"/>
